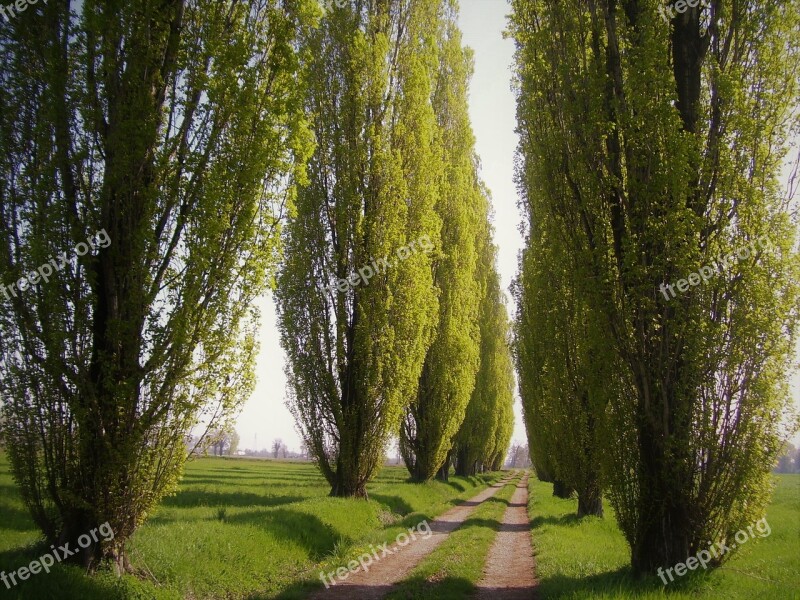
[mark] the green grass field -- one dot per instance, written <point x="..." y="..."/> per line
<point x="253" y="530"/>
<point x="236" y="529"/>
<point x="589" y="558"/>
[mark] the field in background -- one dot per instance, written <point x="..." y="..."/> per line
<point x="588" y="558"/>
<point x="236" y="528"/>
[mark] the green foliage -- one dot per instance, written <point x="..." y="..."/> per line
<point x="564" y="384"/>
<point x="654" y="149"/>
<point x="482" y="441"/>
<point x="173" y="128"/>
<point x="451" y="363"/>
<point x="355" y="352"/>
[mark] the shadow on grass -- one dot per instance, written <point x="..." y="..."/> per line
<point x="262" y="482"/>
<point x="570" y="519"/>
<point x="68" y="582"/>
<point x="16" y="518"/>
<point x="457" y="502"/>
<point x="308" y="531"/>
<point x="300" y="590"/>
<point x="450" y="588"/>
<point x="395" y="503"/>
<point x="457" y="485"/>
<point x="621" y="581"/>
<point x="413" y="520"/>
<point x="193" y="498"/>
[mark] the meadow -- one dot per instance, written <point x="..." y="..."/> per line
<point x="588" y="558"/>
<point x="236" y="529"/>
<point x="257" y="529"/>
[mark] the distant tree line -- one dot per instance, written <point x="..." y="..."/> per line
<point x="218" y="442"/>
<point x="519" y="457"/>
<point x="788" y="460"/>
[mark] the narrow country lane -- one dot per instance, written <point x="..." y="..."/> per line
<point x="384" y="574"/>
<point x="508" y="574"/>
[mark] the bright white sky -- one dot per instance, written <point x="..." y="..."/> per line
<point x="492" y="110"/>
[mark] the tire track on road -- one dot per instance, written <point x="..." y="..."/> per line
<point x="384" y="574"/>
<point x="508" y="574"/>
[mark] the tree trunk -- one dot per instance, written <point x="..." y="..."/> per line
<point x="77" y="532"/>
<point x="663" y="537"/>
<point x="120" y="562"/>
<point x="498" y="463"/>
<point x="561" y="489"/>
<point x="348" y="487"/>
<point x="664" y="529"/>
<point x="443" y="474"/>
<point x="347" y="481"/>
<point x="462" y="467"/>
<point x="590" y="502"/>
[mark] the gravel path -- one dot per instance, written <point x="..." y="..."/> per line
<point x="401" y="560"/>
<point x="508" y="574"/>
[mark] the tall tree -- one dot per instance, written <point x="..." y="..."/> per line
<point x="504" y="428"/>
<point x="146" y="146"/>
<point x="486" y="431"/>
<point x="451" y="363"/>
<point x="356" y="303"/>
<point x="658" y="145"/>
<point x="564" y="383"/>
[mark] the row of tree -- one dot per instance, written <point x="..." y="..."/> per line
<point x="183" y="129"/>
<point x="420" y="348"/>
<point x="649" y="150"/>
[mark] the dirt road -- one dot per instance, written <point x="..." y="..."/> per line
<point x="508" y="574"/>
<point x="383" y="574"/>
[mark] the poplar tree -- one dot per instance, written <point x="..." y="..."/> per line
<point x="504" y="428"/>
<point x="448" y="375"/>
<point x="147" y="148"/>
<point x="355" y="349"/>
<point x="486" y="431"/>
<point x="564" y="381"/>
<point x="656" y="146"/>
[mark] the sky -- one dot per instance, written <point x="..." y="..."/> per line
<point x="492" y="110"/>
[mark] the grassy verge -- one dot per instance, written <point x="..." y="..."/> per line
<point x="589" y="558"/>
<point x="452" y="571"/>
<point x="235" y="529"/>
